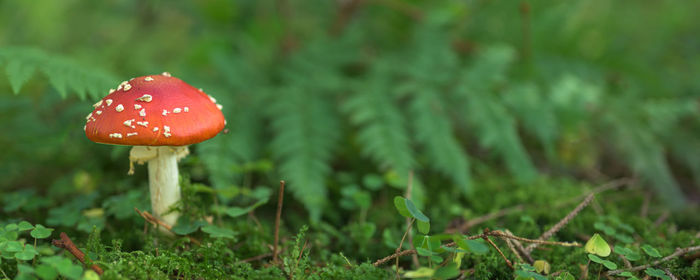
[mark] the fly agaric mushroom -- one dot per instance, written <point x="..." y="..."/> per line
<point x="159" y="116"/>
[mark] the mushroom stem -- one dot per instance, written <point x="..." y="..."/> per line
<point x="162" y="177"/>
<point x="164" y="185"/>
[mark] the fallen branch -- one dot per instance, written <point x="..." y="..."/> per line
<point x="677" y="253"/>
<point x="68" y="244"/>
<point x="280" y="200"/>
<point x="157" y="222"/>
<point x="497" y="249"/>
<point x="562" y="222"/>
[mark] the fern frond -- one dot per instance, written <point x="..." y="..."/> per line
<point x="381" y="129"/>
<point x="305" y="135"/>
<point x="536" y="114"/>
<point x="63" y="74"/>
<point x="434" y="132"/>
<point x="495" y="126"/>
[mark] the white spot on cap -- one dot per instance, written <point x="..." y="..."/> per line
<point x="145" y="98"/>
<point x="111" y="90"/>
<point x="155" y="129"/>
<point x="88" y="116"/>
<point x="128" y="122"/>
<point x="132" y="134"/>
<point x="98" y="112"/>
<point x="85" y="128"/>
<point x="108" y="101"/>
<point x="148" y="79"/>
<point x="219" y="106"/>
<point x="165" y="112"/>
<point x="142" y="112"/>
<point x="177" y="110"/>
<point x="127" y="87"/>
<point x="119" y="108"/>
<point x="213" y="100"/>
<point x="144" y="124"/>
<point x="200" y="90"/>
<point x="97" y="104"/>
<point x="137" y="106"/>
<point x="186" y="109"/>
<point x="166" y="74"/>
<point x="166" y="131"/>
<point x="115" y="135"/>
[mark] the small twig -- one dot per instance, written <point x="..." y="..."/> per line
<point x="520" y="248"/>
<point x="256" y="258"/>
<point x="668" y="272"/>
<point x="496" y="233"/>
<point x="280" y="200"/>
<point x="68" y="244"/>
<point x="485" y="237"/>
<point x="408" y="229"/>
<point x="677" y="253"/>
<point x="157" y="222"/>
<point x="511" y="246"/>
<point x="296" y="264"/>
<point x="562" y="222"/>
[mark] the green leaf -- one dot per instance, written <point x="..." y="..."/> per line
<point x="653" y="272"/>
<point x="185" y="226"/>
<point x="27" y="253"/>
<point x="447" y="272"/>
<point x="423" y="227"/>
<point x="629" y="254"/>
<point x="415" y="212"/>
<point x="595" y="258"/>
<point x="46" y="272"/>
<point x="218" y="232"/>
<point x="238" y="211"/>
<point x="13" y="246"/>
<point x="400" y="205"/>
<point x="565" y="276"/>
<point x="11" y="227"/>
<point x="542" y="266"/>
<point x="41" y="232"/>
<point x="421" y="272"/>
<point x="24" y="225"/>
<point x="651" y="251"/>
<point x="597" y="245"/>
<point x="609" y="265"/>
<point x="423" y="252"/>
<point x="19" y="73"/>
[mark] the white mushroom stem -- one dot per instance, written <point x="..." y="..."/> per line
<point x="162" y="177"/>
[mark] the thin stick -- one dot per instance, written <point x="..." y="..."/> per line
<point x="157" y="222"/>
<point x="258" y="257"/>
<point x="562" y="222"/>
<point x="668" y="272"/>
<point x="677" y="253"/>
<point x="496" y="233"/>
<point x="520" y="248"/>
<point x="497" y="249"/>
<point x="280" y="199"/>
<point x="68" y="244"/>
<point x="511" y="246"/>
<point x="408" y="228"/>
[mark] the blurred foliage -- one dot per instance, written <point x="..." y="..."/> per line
<point x="345" y="99"/>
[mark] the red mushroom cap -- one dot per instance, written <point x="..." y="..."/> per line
<point x="156" y="110"/>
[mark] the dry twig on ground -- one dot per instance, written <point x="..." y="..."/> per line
<point x="68" y="244"/>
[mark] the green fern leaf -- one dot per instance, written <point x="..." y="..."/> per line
<point x="535" y="113"/>
<point x="306" y="133"/>
<point x="434" y="132"/>
<point x="495" y="126"/>
<point x="19" y="73"/>
<point x="381" y="129"/>
<point x="64" y="74"/>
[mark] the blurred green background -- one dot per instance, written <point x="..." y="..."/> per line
<point x="343" y="99"/>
